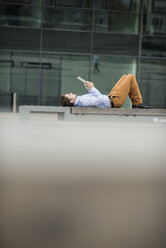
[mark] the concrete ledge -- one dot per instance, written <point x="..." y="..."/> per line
<point x="118" y="111"/>
<point x="87" y="113"/>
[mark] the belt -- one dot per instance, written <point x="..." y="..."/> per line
<point x="111" y="102"/>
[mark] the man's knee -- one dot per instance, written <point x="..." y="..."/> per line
<point x="123" y="76"/>
<point x="131" y="75"/>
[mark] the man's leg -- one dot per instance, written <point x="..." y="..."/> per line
<point x="118" y="83"/>
<point x="126" y="86"/>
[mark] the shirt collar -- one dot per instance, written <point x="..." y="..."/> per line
<point x="76" y="101"/>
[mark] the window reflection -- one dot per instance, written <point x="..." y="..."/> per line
<point x="154" y="24"/>
<point x="118" y="4"/>
<point x="87" y="3"/>
<point x="154" y="46"/>
<point x="20" y="15"/>
<point x="115" y="44"/>
<point x="152" y="80"/>
<point x="65" y="3"/>
<point x="106" y="21"/>
<point x="71" y="66"/>
<point x="122" y="5"/>
<point x="64" y="18"/>
<point x="69" y="3"/>
<point x="66" y="41"/>
<point x="20" y="76"/>
<point x="17" y="1"/>
<point x="159" y="6"/>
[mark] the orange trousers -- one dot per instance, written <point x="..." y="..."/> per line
<point x="126" y="86"/>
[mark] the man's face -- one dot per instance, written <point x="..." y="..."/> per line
<point x="72" y="97"/>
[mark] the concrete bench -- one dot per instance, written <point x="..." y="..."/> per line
<point x="25" y="111"/>
<point x="88" y="113"/>
<point x="120" y="114"/>
<point x="118" y="111"/>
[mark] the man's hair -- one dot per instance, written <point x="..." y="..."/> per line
<point x="65" y="101"/>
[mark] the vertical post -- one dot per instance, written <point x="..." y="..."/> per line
<point x="140" y="39"/>
<point x="11" y="72"/>
<point x="91" y="43"/>
<point x="60" y="79"/>
<point x="25" y="90"/>
<point x="40" y="54"/>
<point x="14" y="102"/>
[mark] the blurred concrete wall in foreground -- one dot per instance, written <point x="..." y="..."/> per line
<point x="75" y="184"/>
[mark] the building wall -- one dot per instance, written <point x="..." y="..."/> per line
<point x="45" y="45"/>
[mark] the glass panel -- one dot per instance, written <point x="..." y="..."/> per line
<point x="6" y="66"/>
<point x="26" y="78"/>
<point x="100" y="4"/>
<point x="19" y="38"/>
<point x="20" y="73"/>
<point x="118" y="4"/>
<point x="87" y="3"/>
<point x="66" y="3"/>
<point x="106" y="21"/>
<point x="154" y="46"/>
<point x="66" y="18"/>
<point x="115" y="44"/>
<point x="74" y="66"/>
<point x="17" y="1"/>
<point x="20" y="15"/>
<point x="153" y="82"/>
<point x="51" y="80"/>
<point x="125" y="5"/>
<point x="135" y="5"/>
<point x="148" y="6"/>
<point x="64" y="41"/>
<point x="49" y="2"/>
<point x="69" y="3"/>
<point x="110" y="71"/>
<point x="159" y="6"/>
<point x="154" y="24"/>
<point x="71" y="67"/>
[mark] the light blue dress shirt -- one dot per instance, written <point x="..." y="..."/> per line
<point x="93" y="99"/>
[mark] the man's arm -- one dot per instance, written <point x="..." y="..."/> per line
<point x="91" y="89"/>
<point x="94" y="101"/>
<point x="88" y="85"/>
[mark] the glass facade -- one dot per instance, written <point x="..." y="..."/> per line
<point x="45" y="45"/>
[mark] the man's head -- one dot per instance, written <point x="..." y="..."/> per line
<point x="68" y="99"/>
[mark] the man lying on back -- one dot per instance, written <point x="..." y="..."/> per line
<point x="126" y="86"/>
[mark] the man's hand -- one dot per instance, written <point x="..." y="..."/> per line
<point x="89" y="85"/>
